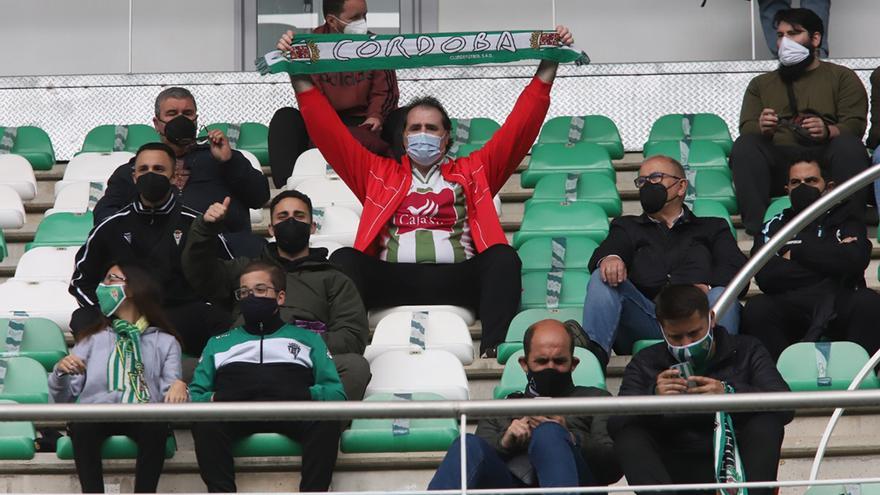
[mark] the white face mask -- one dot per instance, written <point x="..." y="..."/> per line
<point x="354" y="27"/>
<point x="792" y="52"/>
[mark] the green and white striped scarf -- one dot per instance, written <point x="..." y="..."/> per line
<point x="317" y="53"/>
<point x="125" y="370"/>
<point x="728" y="463"/>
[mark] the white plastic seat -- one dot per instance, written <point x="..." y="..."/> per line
<point x="497" y="201"/>
<point x="11" y="208"/>
<point x="16" y="172"/>
<point x="330" y="246"/>
<point x="468" y="315"/>
<point x="47" y="299"/>
<point x="437" y="372"/>
<point x="74" y="198"/>
<point x="444" y="331"/>
<point x="309" y="165"/>
<point x="92" y="167"/>
<point x="46" y="263"/>
<point x="256" y="214"/>
<point x="336" y="223"/>
<point x="330" y="192"/>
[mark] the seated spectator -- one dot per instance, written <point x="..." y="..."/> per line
<point x="205" y="173"/>
<point x="805" y="103"/>
<point x="532" y="451"/>
<point x="152" y="231"/>
<point x="366" y="102"/>
<point x="678" y="448"/>
<point x="873" y="141"/>
<point x="322" y="298"/>
<point x="667" y="244"/>
<point x="271" y="361"/>
<point x="815" y="285"/>
<point x="131" y="355"/>
<point x="429" y="233"/>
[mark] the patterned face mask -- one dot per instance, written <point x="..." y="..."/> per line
<point x="110" y="297"/>
<point x="696" y="353"/>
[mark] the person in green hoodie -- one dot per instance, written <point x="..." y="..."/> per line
<point x="321" y="297"/>
<point x="265" y="359"/>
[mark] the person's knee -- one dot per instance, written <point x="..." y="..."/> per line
<point x="503" y="257"/>
<point x="746" y="143"/>
<point x="756" y="310"/>
<point x="285" y="117"/>
<point x="548" y="435"/>
<point x="598" y="289"/>
<point x="345" y="257"/>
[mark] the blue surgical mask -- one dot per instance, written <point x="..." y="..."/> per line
<point x="696" y="353"/>
<point x="424" y="148"/>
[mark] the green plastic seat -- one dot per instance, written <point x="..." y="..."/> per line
<point x="42" y="341"/>
<point x="712" y="208"/>
<point x="4" y="252"/>
<point x="34" y="144"/>
<point x="16" y="439"/>
<point x="553" y="158"/>
<point x="63" y="229"/>
<point x="701" y="155"/>
<point x="115" y="447"/>
<point x="465" y="150"/>
<point x="798" y="366"/>
<point x="381" y="435"/>
<point x="861" y="489"/>
<point x="26" y="381"/>
<point x="714" y="185"/>
<point x="572" y="294"/>
<point x="253" y="137"/>
<point x="266" y="445"/>
<point x="562" y="220"/>
<point x="703" y="127"/>
<point x="776" y="207"/>
<point x="102" y="139"/>
<point x="537" y="254"/>
<point x="640" y="345"/>
<point x="587" y="374"/>
<point x="594" y="188"/>
<point x="598" y="129"/>
<point x="517" y="329"/>
<point x="481" y="130"/>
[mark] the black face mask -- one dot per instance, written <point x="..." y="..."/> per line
<point x="653" y="197"/>
<point x="153" y="187"/>
<point x="180" y="131"/>
<point x="292" y="236"/>
<point x="256" y="310"/>
<point x="803" y="196"/>
<point x="549" y="383"/>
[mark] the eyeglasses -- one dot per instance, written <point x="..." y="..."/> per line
<point x="259" y="290"/>
<point x="655" y="178"/>
<point x="810" y="181"/>
<point x="111" y="278"/>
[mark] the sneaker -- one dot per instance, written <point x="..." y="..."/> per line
<point x="490" y="353"/>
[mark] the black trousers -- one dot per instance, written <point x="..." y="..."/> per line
<point x="87" y="440"/>
<point x="760" y="171"/>
<point x="649" y="456"/>
<point x="319" y="440"/>
<point x="489" y="282"/>
<point x="196" y="322"/>
<point x="288" y="138"/>
<point x="780" y="320"/>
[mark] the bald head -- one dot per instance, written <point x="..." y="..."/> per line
<point x="548" y="344"/>
<point x="661" y="163"/>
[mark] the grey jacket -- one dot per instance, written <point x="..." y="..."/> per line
<point x="160" y="353"/>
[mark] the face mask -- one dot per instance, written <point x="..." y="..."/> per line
<point x="110" y="297"/>
<point x="256" y="310"/>
<point x="653" y="197"/>
<point x="355" y="27"/>
<point x="696" y="353"/>
<point x="791" y="52"/>
<point x="803" y="196"/>
<point x="291" y="235"/>
<point x="549" y="383"/>
<point x="423" y="148"/>
<point x="180" y="131"/>
<point x="153" y="187"/>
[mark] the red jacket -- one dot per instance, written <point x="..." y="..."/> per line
<point x="382" y="183"/>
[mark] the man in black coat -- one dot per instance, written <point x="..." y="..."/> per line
<point x="698" y="357"/>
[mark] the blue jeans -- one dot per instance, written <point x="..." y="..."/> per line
<point x="618" y="317"/>
<point x="769" y="8"/>
<point x="556" y="459"/>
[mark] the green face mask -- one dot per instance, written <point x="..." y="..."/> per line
<point x="696" y="353"/>
<point x="110" y="297"/>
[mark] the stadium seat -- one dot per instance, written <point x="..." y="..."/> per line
<point x="48" y="299"/>
<point x="25" y="381"/>
<point x="562" y="220"/>
<point x="596" y="129"/>
<point x="327" y="192"/>
<point x="464" y="150"/>
<point x="62" y="229"/>
<point x="77" y="197"/>
<point x="590" y="187"/>
<point x="115" y="447"/>
<point x="41" y="340"/>
<point x="479" y="130"/>
<point x="311" y="164"/>
<point x="468" y="315"/>
<point x="818" y="366"/>
<point x="4" y="251"/>
<point x="701" y="155"/>
<point x="776" y="207"/>
<point x="535" y="294"/>
<point x="16" y="172"/>
<point x="16" y="439"/>
<point x="442" y="331"/>
<point x="406" y="435"/>
<point x="587" y="374"/>
<point x="537" y="254"/>
<point x="578" y="158"/>
<point x="247" y="136"/>
<point x="11" y="209"/>
<point x="46" y="263"/>
<point x="336" y="224"/>
<point x="714" y="185"/>
<point x="107" y="138"/>
<point x="711" y="208"/>
<point x="30" y="142"/>
<point x="437" y="372"/>
<point x="859" y="489"/>
<point x="520" y="322"/>
<point x="640" y="345"/>
<point x="696" y="127"/>
<point x="92" y="167"/>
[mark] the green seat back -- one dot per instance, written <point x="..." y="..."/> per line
<point x="101" y="139"/>
<point x="4" y="252"/>
<point x="798" y="366"/>
<point x="481" y="130"/>
<point x="413" y="435"/>
<point x="266" y="445"/>
<point x="63" y="229"/>
<point x="522" y="321"/>
<point x="253" y="137"/>
<point x="536" y="254"/>
<point x="115" y="447"/>
<point x="16" y="438"/>
<point x="703" y="127"/>
<point x="776" y="207"/>
<point x="34" y="144"/>
<point x="553" y="158"/>
<point x="562" y="220"/>
<point x="572" y="294"/>
<point x="598" y="129"/>
<point x="643" y="344"/>
<point x="25" y="382"/>
<point x="712" y="208"/>
<point x="592" y="187"/>
<point x="465" y="150"/>
<point x="861" y="489"/>
<point x="587" y="374"/>
<point x="715" y="185"/>
<point x="701" y="155"/>
<point x="42" y="341"/>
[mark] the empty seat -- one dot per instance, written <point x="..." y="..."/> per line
<point x="405" y="435"/>
<point x="4" y="251"/>
<point x="327" y="192"/>
<point x="468" y="315"/>
<point x="539" y="290"/>
<point x="699" y="155"/>
<point x="311" y="164"/>
<point x="435" y="331"/>
<point x="776" y="207"/>
<point x="572" y="253"/>
<point x="596" y="129"/>
<point x="48" y="299"/>
<point x="817" y="366"/>
<point x="562" y="220"/>
<point x="16" y="438"/>
<point x="77" y="197"/>
<point x="464" y="150"/>
<point x="30" y="142"/>
<point x="714" y="185"/>
<point x="62" y="229"/>
<point x="587" y="374"/>
<point x="472" y="133"/>
<point x="46" y="263"/>
<point x="25" y="381"/>
<point x="712" y="208"/>
<point x="11" y="209"/>
<point x="336" y="224"/>
<point x="857" y="489"/>
<point x="92" y="167"/>
<point x="16" y="172"/>
<point x="694" y="127"/>
<point x="437" y="372"/>
<point x="640" y="345"/>
<point x="37" y="338"/>
<point x="590" y="187"/>
<point x="522" y="321"/>
<point x="247" y="136"/>
<point x="576" y="158"/>
<point x="107" y="138"/>
<point x="115" y="447"/>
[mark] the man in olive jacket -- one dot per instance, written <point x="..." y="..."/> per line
<point x="545" y="451"/>
<point x="321" y="298"/>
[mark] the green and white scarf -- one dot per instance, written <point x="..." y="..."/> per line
<point x="125" y="370"/>
<point x="317" y="53"/>
<point x="728" y="463"/>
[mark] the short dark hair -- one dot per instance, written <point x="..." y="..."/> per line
<point x="530" y="332"/>
<point x="677" y="302"/>
<point x="175" y="92"/>
<point x="158" y="147"/>
<point x="333" y="7"/>
<point x="804" y="18"/>
<point x="810" y="156"/>
<point x="290" y="194"/>
<point x="279" y="279"/>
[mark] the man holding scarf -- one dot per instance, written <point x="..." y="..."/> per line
<point x="699" y="357"/>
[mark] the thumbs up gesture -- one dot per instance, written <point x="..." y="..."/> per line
<point x="217" y="211"/>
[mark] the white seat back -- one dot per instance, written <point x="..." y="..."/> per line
<point x="310" y="165"/>
<point x="327" y="192"/>
<point x="16" y="172"/>
<point x="11" y="208"/>
<point x="74" y="198"/>
<point x="92" y="167"/>
<point x="47" y="299"/>
<point x="46" y="263"/>
<point x="336" y="223"/>
<point x="436" y="372"/>
<point x="468" y="315"/>
<point x="444" y="331"/>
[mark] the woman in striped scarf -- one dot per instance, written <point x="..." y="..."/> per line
<point x="133" y="356"/>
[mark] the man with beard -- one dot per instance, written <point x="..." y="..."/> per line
<point x="805" y="103"/>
